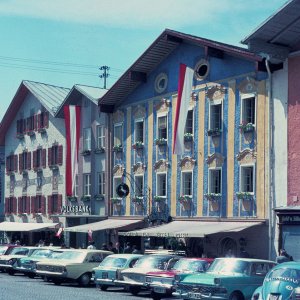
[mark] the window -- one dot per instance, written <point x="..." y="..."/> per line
<point x="139" y="131"/>
<point x="215" y="181"/>
<point x="161" y="82"/>
<point x="39" y="179"/>
<point x="215" y="116"/>
<point x="38" y="204"/>
<point x="118" y="134"/>
<point x="76" y="186"/>
<point x="25" y="183"/>
<point x="101" y="183"/>
<point x="247" y="182"/>
<point x="117" y="182"/>
<point x="24" y="161"/>
<point x="162" y="127"/>
<point x="10" y="205"/>
<point x="86" y="139"/>
<point x="87" y="184"/>
<point x="54" y="203"/>
<point x="161" y="182"/>
<point x="189" y="122"/>
<point x="21" y="126"/>
<point x="22" y="205"/>
<point x="139" y="186"/>
<point x="186" y="183"/>
<point x="100" y="137"/>
<point x="11" y="163"/>
<point x="201" y="69"/>
<point x="55" y="155"/>
<point x="30" y="123"/>
<point x="248" y="110"/>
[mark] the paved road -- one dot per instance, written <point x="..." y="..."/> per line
<point x="19" y="287"/>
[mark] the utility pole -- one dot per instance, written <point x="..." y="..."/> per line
<point x="104" y="74"/>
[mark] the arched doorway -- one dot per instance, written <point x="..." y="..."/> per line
<point x="227" y="247"/>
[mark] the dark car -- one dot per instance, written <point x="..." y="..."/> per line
<point x="281" y="283"/>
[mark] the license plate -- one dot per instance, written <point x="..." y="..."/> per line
<point x="194" y="296"/>
<point x="160" y="290"/>
<point x="273" y="297"/>
<point x="104" y="275"/>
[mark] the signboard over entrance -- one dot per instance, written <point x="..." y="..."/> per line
<point x="75" y="209"/>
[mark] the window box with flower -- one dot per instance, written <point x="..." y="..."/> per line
<point x="161" y="141"/>
<point x="99" y="150"/>
<point x="138" y="145"/>
<point x="188" y="137"/>
<point x="244" y="195"/>
<point x="185" y="199"/>
<point x="246" y="127"/>
<point x="86" y="152"/>
<point x="214" y="132"/>
<point x="215" y="197"/>
<point x="159" y="199"/>
<point x="116" y="200"/>
<point x="117" y="148"/>
<point x="86" y="198"/>
<point x="137" y="199"/>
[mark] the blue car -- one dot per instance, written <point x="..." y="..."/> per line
<point x="281" y="283"/>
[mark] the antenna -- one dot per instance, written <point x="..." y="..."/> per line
<point x="105" y="74"/>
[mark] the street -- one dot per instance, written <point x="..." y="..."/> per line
<point x="23" y="288"/>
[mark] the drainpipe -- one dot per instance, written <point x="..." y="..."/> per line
<point x="271" y="156"/>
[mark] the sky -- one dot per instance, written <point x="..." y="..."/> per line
<point x="65" y="42"/>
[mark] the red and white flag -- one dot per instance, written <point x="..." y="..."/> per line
<point x="59" y="232"/>
<point x="72" y="121"/>
<point x="185" y="85"/>
<point x="90" y="235"/>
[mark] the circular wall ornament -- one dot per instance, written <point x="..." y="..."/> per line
<point x="161" y="82"/>
<point x="201" y="69"/>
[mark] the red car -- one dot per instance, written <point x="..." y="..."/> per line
<point x="162" y="283"/>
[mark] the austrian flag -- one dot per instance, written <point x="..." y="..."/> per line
<point x="185" y="85"/>
<point x="72" y="121"/>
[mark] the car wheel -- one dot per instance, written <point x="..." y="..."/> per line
<point x="103" y="287"/>
<point x="236" y="296"/>
<point x="155" y="296"/>
<point x="134" y="290"/>
<point x="11" y="272"/>
<point x="31" y="275"/>
<point x="84" y="279"/>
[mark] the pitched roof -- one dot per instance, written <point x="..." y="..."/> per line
<point x="75" y="94"/>
<point x="50" y="97"/>
<point x="167" y="42"/>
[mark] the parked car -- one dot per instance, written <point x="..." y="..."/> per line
<point x="226" y="278"/>
<point x="282" y="282"/>
<point x="27" y="265"/>
<point x="134" y="279"/>
<point x="5" y="249"/>
<point x="7" y="261"/>
<point x="161" y="283"/>
<point x="73" y="265"/>
<point x="109" y="269"/>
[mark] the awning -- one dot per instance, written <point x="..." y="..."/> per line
<point x="102" y="225"/>
<point x="18" y="226"/>
<point x="191" y="229"/>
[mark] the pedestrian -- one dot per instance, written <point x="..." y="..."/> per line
<point x="112" y="248"/>
<point x="244" y="253"/>
<point x="91" y="245"/>
<point x="135" y="250"/>
<point x="283" y="257"/>
<point x="104" y="247"/>
<point x="119" y="248"/>
<point x="128" y="248"/>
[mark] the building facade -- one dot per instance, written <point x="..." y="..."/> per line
<point x="222" y="176"/>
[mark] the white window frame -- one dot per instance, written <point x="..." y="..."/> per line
<point x="101" y="183"/>
<point x="100" y="130"/>
<point x="211" y="119"/>
<point x="87" y="184"/>
<point x="158" y="184"/>
<point x="76" y="186"/>
<point x="193" y="120"/>
<point x="87" y="138"/>
<point x="121" y="137"/>
<point x="116" y="182"/>
<point x="136" y="139"/>
<point x="242" y="179"/>
<point x="182" y="189"/>
<point x="210" y="170"/>
<point x="158" y="117"/>
<point x="244" y="97"/>
<point x="139" y="192"/>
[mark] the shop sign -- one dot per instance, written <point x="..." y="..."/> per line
<point x="290" y="219"/>
<point x="75" y="209"/>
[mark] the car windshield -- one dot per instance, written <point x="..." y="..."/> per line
<point x="41" y="253"/>
<point x="114" y="262"/>
<point x="19" y="251"/>
<point x="153" y="262"/>
<point x="55" y="254"/>
<point x="3" y="249"/>
<point x="72" y="255"/>
<point x="229" y="266"/>
<point x="284" y="274"/>
<point x="190" y="265"/>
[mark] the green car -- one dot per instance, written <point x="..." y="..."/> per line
<point x="226" y="278"/>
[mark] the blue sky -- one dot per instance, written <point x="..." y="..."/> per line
<point x="64" y="42"/>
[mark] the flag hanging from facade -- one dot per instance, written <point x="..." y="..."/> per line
<point x="90" y="235"/>
<point x="59" y="232"/>
<point x="72" y="122"/>
<point x="185" y="85"/>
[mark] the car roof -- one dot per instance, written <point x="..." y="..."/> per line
<point x="289" y="264"/>
<point x="246" y="259"/>
<point x="125" y="255"/>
